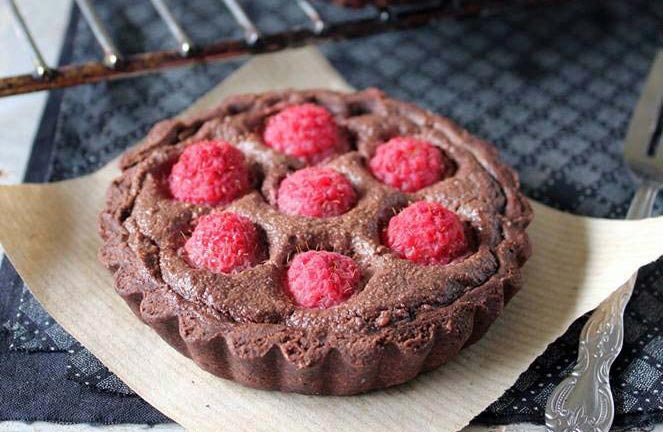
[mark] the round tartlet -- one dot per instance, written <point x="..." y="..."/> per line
<point x="404" y="318"/>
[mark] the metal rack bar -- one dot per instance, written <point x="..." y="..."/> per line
<point x="393" y="19"/>
<point x="251" y="33"/>
<point x="183" y="41"/>
<point x="22" y="31"/>
<point x="111" y="53"/>
<point x="313" y="15"/>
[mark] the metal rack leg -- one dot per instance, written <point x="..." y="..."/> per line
<point x="251" y="33"/>
<point x="313" y="15"/>
<point x="184" y="44"/>
<point x="41" y="68"/>
<point x="111" y="53"/>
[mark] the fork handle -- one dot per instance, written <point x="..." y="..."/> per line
<point x="583" y="400"/>
<point x="643" y="201"/>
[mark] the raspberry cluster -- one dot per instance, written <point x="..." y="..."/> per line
<point x="223" y="242"/>
<point x="307" y="132"/>
<point x="407" y="164"/>
<point x="321" y="279"/>
<point x="215" y="173"/>
<point x="209" y="172"/>
<point x="426" y="233"/>
<point x="316" y="192"/>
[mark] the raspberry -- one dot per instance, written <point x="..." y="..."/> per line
<point x="407" y="164"/>
<point x="320" y="279"/>
<point x="316" y="192"/>
<point x="223" y="242"/>
<point x="307" y="132"/>
<point x="427" y="233"/>
<point x="209" y="172"/>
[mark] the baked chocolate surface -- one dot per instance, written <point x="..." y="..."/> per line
<point x="405" y="318"/>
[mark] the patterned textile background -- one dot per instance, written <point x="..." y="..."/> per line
<point x="552" y="88"/>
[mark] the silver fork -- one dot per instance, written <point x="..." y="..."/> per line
<point x="583" y="401"/>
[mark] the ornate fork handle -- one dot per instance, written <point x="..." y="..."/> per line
<point x="583" y="400"/>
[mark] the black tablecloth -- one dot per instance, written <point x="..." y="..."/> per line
<point x="552" y="88"/>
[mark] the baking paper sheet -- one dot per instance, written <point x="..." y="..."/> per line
<point x="49" y="233"/>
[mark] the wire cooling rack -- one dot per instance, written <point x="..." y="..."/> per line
<point x="314" y="28"/>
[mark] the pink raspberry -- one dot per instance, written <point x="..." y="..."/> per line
<point x="407" y="164"/>
<point x="321" y="279"/>
<point x="316" y="192"/>
<point x="427" y="233"/>
<point x="307" y="132"/>
<point x="223" y="242"/>
<point x="209" y="172"/>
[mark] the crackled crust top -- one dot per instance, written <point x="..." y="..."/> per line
<point x="398" y="301"/>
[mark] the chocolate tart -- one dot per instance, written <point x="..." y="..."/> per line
<point x="405" y="319"/>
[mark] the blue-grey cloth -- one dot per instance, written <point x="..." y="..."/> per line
<point x="553" y="88"/>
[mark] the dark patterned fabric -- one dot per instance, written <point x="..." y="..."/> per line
<point x="552" y="88"/>
<point x="636" y="376"/>
<point x="32" y="329"/>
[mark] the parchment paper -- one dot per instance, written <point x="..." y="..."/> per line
<point x="49" y="233"/>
